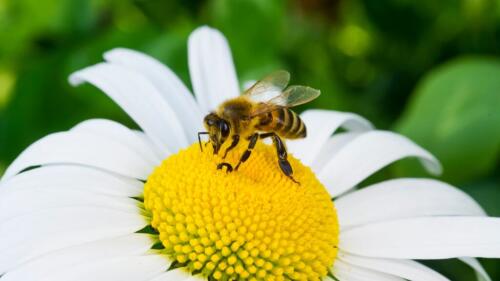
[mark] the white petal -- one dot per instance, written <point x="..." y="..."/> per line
<point x="66" y="177"/>
<point x="150" y="143"/>
<point x="124" y="246"/>
<point x="25" y="201"/>
<point x="136" y="268"/>
<point x="321" y="124"/>
<point x="348" y="272"/>
<point x="167" y="83"/>
<point x="331" y="147"/>
<point x="175" y="275"/>
<point x="404" y="198"/>
<point x="406" y="269"/>
<point x="425" y="238"/>
<point x="140" y="100"/>
<point x="29" y="236"/>
<point x="119" y="133"/>
<point x="367" y="154"/>
<point x="481" y="274"/>
<point x="211" y="67"/>
<point x="82" y="149"/>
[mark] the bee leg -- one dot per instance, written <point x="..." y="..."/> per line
<point x="199" y="138"/>
<point x="253" y="140"/>
<point x="216" y="147"/>
<point x="285" y="166"/>
<point x="287" y="169"/>
<point x="228" y="166"/>
<point x="236" y="139"/>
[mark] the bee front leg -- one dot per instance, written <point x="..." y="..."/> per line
<point x="236" y="140"/>
<point x="228" y="166"/>
<point x="253" y="140"/>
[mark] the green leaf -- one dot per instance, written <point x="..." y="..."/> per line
<point x="455" y="114"/>
<point x="486" y="192"/>
<point x="255" y="31"/>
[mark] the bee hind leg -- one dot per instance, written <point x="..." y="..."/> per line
<point x="287" y="169"/>
<point x="283" y="162"/>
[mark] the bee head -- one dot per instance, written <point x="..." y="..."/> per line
<point x="218" y="129"/>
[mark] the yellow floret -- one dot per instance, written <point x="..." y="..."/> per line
<point x="251" y="224"/>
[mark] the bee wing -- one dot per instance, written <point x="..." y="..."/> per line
<point x="295" y="95"/>
<point x="292" y="96"/>
<point x="269" y="87"/>
<point x="264" y="108"/>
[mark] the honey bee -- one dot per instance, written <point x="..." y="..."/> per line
<point x="262" y="111"/>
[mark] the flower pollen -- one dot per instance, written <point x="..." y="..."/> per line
<point x="251" y="224"/>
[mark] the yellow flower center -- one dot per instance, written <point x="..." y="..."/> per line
<point x="251" y="224"/>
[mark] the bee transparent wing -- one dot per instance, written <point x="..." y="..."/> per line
<point x="292" y="96"/>
<point x="269" y="87"/>
<point x="295" y="95"/>
<point x="264" y="108"/>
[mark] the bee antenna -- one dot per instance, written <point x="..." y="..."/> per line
<point x="199" y="139"/>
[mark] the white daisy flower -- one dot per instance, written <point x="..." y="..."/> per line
<point x="103" y="202"/>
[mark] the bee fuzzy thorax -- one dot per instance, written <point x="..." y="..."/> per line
<point x="236" y="108"/>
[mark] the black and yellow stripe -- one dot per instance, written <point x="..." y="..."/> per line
<point x="284" y="122"/>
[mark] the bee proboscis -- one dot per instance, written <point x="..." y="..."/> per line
<point x="262" y="111"/>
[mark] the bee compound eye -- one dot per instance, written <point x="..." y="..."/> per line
<point x="224" y="127"/>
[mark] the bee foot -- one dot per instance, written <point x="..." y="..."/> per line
<point x="295" y="181"/>
<point x="228" y="166"/>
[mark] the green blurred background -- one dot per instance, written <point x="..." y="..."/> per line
<point x="427" y="69"/>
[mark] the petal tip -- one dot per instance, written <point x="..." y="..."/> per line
<point x="206" y="31"/>
<point x="119" y="52"/>
<point x="74" y="79"/>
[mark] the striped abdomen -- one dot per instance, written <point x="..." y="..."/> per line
<point x="284" y="122"/>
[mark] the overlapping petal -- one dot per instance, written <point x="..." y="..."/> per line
<point x="76" y="178"/>
<point x="135" y="140"/>
<point x="404" y="198"/>
<point x="29" y="236"/>
<point x="172" y="89"/>
<point x="321" y="124"/>
<point x="349" y="272"/>
<point x="137" y="268"/>
<point x="85" y="149"/>
<point x="331" y="147"/>
<point x="367" y="154"/>
<point x="425" y="238"/>
<point x="407" y="269"/>
<point x="23" y="202"/>
<point x="123" y="246"/>
<point x="140" y="99"/>
<point x="481" y="274"/>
